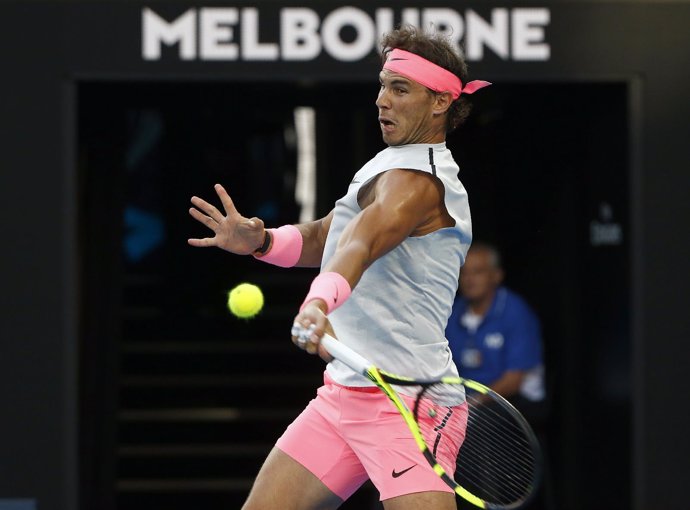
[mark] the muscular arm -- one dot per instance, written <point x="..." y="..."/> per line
<point x="400" y="203"/>
<point x="314" y="238"/>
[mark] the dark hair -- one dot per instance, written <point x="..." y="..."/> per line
<point x="438" y="49"/>
<point x="494" y="255"/>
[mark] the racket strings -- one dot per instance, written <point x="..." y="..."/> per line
<point x="488" y="476"/>
<point x="485" y="433"/>
<point x="497" y="460"/>
<point x="492" y="471"/>
<point x="492" y="458"/>
<point x="495" y="456"/>
<point x="486" y="483"/>
<point x="494" y="466"/>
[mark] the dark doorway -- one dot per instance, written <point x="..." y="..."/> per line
<point x="546" y="167"/>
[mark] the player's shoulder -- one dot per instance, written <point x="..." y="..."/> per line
<point x="410" y="181"/>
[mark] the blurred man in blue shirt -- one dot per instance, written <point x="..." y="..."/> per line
<point x="494" y="334"/>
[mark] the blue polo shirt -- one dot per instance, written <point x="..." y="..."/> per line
<point x="507" y="338"/>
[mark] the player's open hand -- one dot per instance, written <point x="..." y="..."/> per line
<point x="233" y="232"/>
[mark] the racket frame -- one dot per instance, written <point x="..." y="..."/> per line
<point x="384" y="379"/>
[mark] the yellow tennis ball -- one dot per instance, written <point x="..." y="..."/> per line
<point x="245" y="300"/>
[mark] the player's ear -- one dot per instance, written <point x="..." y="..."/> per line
<point x="442" y="102"/>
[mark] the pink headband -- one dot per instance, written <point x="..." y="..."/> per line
<point x="430" y="75"/>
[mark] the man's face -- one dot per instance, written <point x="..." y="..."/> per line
<point x="405" y="110"/>
<point x="479" y="277"/>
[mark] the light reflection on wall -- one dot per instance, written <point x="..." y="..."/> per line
<point x="305" y="188"/>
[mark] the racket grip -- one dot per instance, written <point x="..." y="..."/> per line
<point x="343" y="353"/>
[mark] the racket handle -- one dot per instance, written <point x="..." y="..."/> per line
<point x="343" y="353"/>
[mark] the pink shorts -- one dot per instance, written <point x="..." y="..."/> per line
<point x="348" y="435"/>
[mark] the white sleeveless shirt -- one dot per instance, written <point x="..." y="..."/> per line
<point x="397" y="314"/>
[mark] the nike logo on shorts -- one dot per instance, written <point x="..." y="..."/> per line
<point x="396" y="474"/>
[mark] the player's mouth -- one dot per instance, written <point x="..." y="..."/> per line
<point x="387" y="125"/>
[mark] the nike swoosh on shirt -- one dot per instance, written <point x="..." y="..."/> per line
<point x="396" y="474"/>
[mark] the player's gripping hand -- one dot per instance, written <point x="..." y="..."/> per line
<point x="309" y="326"/>
<point x="233" y="232"/>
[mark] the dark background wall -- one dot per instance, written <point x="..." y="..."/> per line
<point x="48" y="49"/>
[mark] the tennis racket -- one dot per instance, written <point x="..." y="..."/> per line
<point x="499" y="464"/>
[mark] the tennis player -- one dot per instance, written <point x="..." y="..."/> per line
<point x="390" y="253"/>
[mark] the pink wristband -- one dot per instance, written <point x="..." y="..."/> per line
<point x="286" y="246"/>
<point x="333" y="288"/>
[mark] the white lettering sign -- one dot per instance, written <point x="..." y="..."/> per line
<point x="157" y="31"/>
<point x="489" y="34"/>
<point x="299" y="34"/>
<point x="528" y="34"/>
<point x="364" y="38"/>
<point x="346" y="34"/>
<point x="252" y="49"/>
<point x="216" y="34"/>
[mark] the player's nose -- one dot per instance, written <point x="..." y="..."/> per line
<point x="382" y="101"/>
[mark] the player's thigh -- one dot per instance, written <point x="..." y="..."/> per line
<point x="422" y="501"/>
<point x="284" y="484"/>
